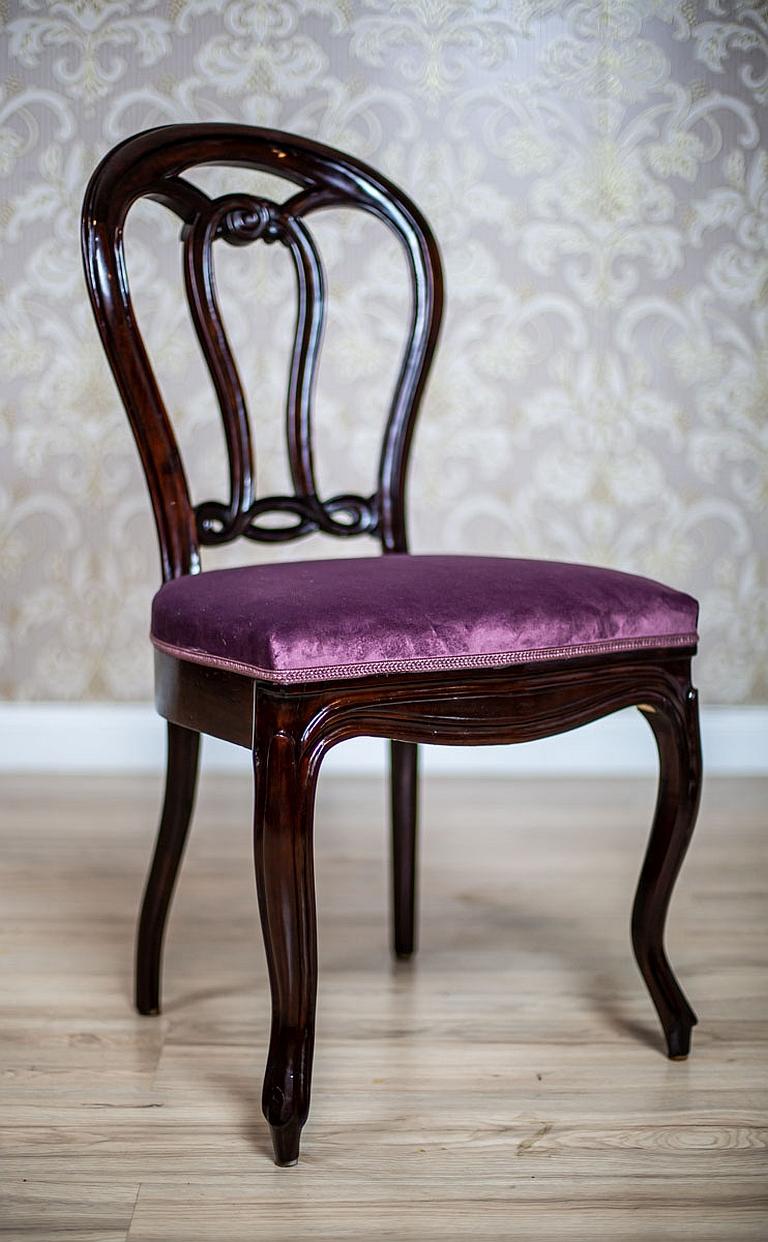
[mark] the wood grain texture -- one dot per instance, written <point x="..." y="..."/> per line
<point x="510" y="1081"/>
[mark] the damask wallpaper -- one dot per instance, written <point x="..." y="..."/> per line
<point x="597" y="175"/>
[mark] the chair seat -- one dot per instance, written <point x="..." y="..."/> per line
<point x="323" y="620"/>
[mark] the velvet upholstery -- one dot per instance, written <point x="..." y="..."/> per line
<point x="316" y="620"/>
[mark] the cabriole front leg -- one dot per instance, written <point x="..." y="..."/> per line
<point x="676" y="729"/>
<point x="286" y="889"/>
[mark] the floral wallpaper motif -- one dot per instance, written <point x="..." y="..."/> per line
<point x="596" y="172"/>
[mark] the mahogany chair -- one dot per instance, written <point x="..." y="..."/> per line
<point x="290" y="659"/>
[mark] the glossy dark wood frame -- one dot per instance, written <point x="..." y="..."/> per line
<point x="290" y="729"/>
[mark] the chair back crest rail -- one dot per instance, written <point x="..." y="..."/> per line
<point x="151" y="165"/>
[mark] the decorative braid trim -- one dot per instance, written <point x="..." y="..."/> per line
<point x="430" y="664"/>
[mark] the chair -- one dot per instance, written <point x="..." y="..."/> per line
<point x="291" y="659"/>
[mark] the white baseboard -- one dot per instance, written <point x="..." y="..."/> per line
<point x="129" y="737"/>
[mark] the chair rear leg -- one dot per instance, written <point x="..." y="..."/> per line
<point x="284" y="861"/>
<point x="180" y="783"/>
<point x="676" y="730"/>
<point x="404" y="777"/>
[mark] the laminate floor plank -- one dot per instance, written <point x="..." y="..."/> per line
<point x="508" y="1082"/>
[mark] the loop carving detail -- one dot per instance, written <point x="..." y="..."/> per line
<point x="240" y="220"/>
<point x="152" y="165"/>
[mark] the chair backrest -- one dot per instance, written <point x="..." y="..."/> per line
<point x="151" y="165"/>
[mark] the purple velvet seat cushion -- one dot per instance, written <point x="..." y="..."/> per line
<point x="311" y="620"/>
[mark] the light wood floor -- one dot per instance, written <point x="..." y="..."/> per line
<point x="509" y="1083"/>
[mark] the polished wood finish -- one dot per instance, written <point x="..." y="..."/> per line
<point x="180" y="782"/>
<point x="507" y="1083"/>
<point x="404" y="785"/>
<point x="150" y="165"/>
<point x="294" y="727"/>
<point x="676" y="728"/>
<point x="285" y="879"/>
<point x="290" y="729"/>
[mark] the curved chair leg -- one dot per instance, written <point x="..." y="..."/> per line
<point x="180" y="782"/>
<point x="283" y="851"/>
<point x="404" y="776"/>
<point x="677" y="736"/>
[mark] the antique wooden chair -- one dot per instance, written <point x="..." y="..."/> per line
<point x="290" y="659"/>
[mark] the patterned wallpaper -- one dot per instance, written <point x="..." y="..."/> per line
<point x="596" y="174"/>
